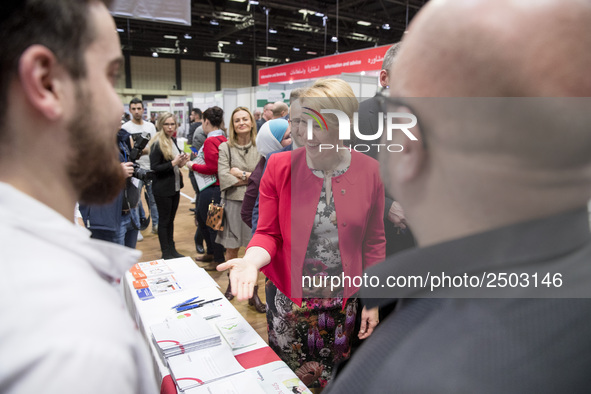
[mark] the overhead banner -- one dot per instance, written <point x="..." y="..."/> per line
<point x="171" y="11"/>
<point x="349" y="62"/>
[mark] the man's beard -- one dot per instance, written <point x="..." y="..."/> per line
<point x="94" y="168"/>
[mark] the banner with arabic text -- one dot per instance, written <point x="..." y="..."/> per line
<point x="348" y="62"/>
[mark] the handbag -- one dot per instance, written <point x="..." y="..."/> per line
<point x="215" y="216"/>
<point x="215" y="211"/>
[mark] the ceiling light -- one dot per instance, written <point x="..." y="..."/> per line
<point x="272" y="48"/>
<point x="120" y="30"/>
<point x="238" y="42"/>
<point x="224" y="42"/>
<point x="230" y="16"/>
<point x="311" y="53"/>
<point x="268" y="59"/>
<point x="362" y="72"/>
<point x="253" y="2"/>
<point x="166" y="50"/>
<point x="287" y="59"/>
<point x="334" y="39"/>
<point x="363" y="23"/>
<point x="386" y="26"/>
<point x="302" y="27"/>
<point x="214" y="22"/>
<point x="188" y="37"/>
<point x="361" y="37"/>
<point x="272" y="31"/>
<point x="226" y="60"/>
<point x="219" y="55"/>
<point x="239" y="1"/>
<point x="154" y="54"/>
<point x="185" y="50"/>
<point x="170" y="37"/>
<point x="296" y="49"/>
<point x="320" y="14"/>
<point x="291" y="81"/>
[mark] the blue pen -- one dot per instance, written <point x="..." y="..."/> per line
<point x="194" y="305"/>
<point x="185" y="302"/>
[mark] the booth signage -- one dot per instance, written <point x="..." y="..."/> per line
<point x="349" y="62"/>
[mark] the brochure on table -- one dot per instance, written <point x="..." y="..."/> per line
<point x="203" y="367"/>
<point x="238" y="336"/>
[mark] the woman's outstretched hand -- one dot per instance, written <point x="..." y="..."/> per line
<point x="243" y="277"/>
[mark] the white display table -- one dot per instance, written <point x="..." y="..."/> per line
<point x="259" y="360"/>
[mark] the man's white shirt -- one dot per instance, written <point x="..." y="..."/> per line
<point x="64" y="326"/>
<point x="145" y="127"/>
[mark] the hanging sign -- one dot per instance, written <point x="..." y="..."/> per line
<point x="349" y="62"/>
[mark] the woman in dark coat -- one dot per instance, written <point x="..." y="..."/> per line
<point x="166" y="159"/>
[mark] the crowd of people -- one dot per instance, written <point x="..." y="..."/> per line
<point x="229" y="166"/>
<point x="492" y="181"/>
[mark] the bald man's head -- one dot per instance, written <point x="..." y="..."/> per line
<point x="280" y="109"/>
<point x="501" y="48"/>
<point x="504" y="130"/>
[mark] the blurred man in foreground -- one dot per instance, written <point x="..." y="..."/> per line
<point x="495" y="190"/>
<point x="64" y="326"/>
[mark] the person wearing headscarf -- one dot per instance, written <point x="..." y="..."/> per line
<point x="274" y="135"/>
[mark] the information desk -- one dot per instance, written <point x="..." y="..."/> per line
<point x="249" y="349"/>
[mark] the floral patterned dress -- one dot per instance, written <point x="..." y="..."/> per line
<point x="311" y="339"/>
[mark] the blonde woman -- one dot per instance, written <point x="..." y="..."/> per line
<point x="166" y="160"/>
<point x="238" y="158"/>
<point x="321" y="215"/>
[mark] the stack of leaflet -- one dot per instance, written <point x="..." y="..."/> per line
<point x="153" y="278"/>
<point x="180" y="336"/>
<point x="205" y="367"/>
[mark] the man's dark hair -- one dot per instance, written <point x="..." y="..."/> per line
<point x="61" y="26"/>
<point x="136" y="100"/>
<point x="197" y="111"/>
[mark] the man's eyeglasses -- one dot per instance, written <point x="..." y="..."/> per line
<point x="389" y="103"/>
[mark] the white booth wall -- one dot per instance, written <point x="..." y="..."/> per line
<point x="255" y="97"/>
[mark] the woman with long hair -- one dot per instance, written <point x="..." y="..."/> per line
<point x="238" y="158"/>
<point x="166" y="160"/>
<point x="206" y="168"/>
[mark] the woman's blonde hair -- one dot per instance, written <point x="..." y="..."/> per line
<point x="233" y="140"/>
<point x="161" y="138"/>
<point x="330" y="93"/>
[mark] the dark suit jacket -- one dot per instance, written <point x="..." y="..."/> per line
<point x="485" y="345"/>
<point x="396" y="239"/>
<point x="163" y="183"/>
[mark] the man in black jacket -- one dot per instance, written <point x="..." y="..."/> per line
<point x="398" y="235"/>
